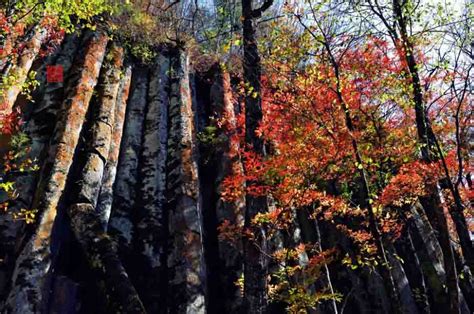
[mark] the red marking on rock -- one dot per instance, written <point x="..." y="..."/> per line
<point x="54" y="73"/>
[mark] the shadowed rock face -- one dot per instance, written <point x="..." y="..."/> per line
<point x="34" y="260"/>
<point x="118" y="181"/>
<point x="129" y="203"/>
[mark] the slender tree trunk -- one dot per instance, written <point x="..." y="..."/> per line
<point x="431" y="203"/>
<point x="457" y="209"/>
<point x="255" y="261"/>
<point x="326" y="268"/>
<point x="385" y="268"/>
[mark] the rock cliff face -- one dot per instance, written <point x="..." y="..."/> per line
<point x="128" y="197"/>
<point x="118" y="191"/>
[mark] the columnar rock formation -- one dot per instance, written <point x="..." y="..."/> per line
<point x="128" y="197"/>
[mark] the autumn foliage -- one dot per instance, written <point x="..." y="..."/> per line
<point x="311" y="164"/>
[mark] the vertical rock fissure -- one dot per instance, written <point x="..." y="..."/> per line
<point x="207" y="162"/>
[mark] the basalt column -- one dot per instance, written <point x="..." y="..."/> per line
<point x="151" y="228"/>
<point x="86" y="222"/>
<point x="121" y="225"/>
<point x="28" y="290"/>
<point x="186" y="254"/>
<point x="39" y="128"/>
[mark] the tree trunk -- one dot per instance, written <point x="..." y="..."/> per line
<point x="255" y="260"/>
<point x="384" y="264"/>
<point x="432" y="203"/>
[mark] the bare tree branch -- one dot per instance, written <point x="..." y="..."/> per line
<point x="169" y="6"/>
<point x="256" y="13"/>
